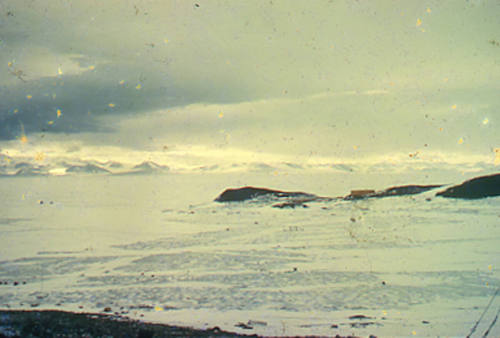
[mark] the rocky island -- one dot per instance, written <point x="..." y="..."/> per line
<point x="479" y="187"/>
<point x="392" y="191"/>
<point x="248" y="193"/>
<point x="294" y="199"/>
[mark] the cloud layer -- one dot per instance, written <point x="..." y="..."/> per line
<point x="327" y="78"/>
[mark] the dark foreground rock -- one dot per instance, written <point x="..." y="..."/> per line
<point x="392" y="191"/>
<point x="479" y="187"/>
<point x="248" y="193"/>
<point x="49" y="323"/>
<point x="69" y="324"/>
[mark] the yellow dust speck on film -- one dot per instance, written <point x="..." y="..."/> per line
<point x="221" y="115"/>
<point x="454" y="106"/>
<point x="111" y="105"/>
<point x="428" y="10"/>
<point x="29" y="97"/>
<point x="122" y="82"/>
<point x="23" y="139"/>
<point x="139" y="86"/>
<point x="486" y="121"/>
<point x="460" y="140"/>
<point x="39" y="156"/>
<point x="490" y="267"/>
<point x="59" y="71"/>
<point x="419" y="22"/>
<point x="158" y="308"/>
<point x="91" y="67"/>
<point x="50" y="123"/>
<point x="59" y="113"/>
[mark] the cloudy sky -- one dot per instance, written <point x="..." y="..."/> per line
<point x="250" y="80"/>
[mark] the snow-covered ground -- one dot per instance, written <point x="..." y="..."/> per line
<point x="156" y="247"/>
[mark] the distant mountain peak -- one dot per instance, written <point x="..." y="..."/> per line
<point x="150" y="166"/>
<point x="29" y="171"/>
<point x="86" y="168"/>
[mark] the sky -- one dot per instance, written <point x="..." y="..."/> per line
<point x="250" y="80"/>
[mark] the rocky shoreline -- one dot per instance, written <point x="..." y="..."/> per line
<point x="52" y="323"/>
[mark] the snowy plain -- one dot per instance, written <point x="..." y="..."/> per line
<point x="158" y="248"/>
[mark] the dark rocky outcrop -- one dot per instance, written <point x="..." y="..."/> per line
<point x="248" y="193"/>
<point x="479" y="187"/>
<point x="291" y="205"/>
<point x="406" y="190"/>
<point x="295" y="199"/>
<point x="392" y="191"/>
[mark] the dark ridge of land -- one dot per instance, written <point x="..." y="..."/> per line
<point x="51" y="323"/>
<point x="64" y="324"/>
<point x="296" y="199"/>
<point x="479" y="187"/>
<point x="392" y="191"/>
<point x="248" y="193"/>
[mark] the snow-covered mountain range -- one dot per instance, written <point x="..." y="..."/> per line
<point x="34" y="166"/>
<point x="16" y="167"/>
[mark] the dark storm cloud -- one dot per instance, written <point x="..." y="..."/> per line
<point x="117" y="90"/>
<point x="107" y="44"/>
